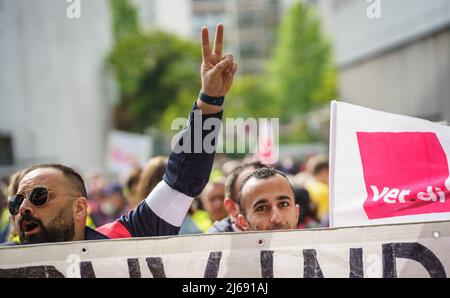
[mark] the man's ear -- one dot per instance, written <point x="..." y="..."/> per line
<point x="80" y="208"/>
<point x="243" y="222"/>
<point x="297" y="211"/>
<point x="230" y="207"/>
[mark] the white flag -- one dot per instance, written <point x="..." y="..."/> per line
<point x="387" y="168"/>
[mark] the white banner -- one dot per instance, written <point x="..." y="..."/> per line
<point x="387" y="168"/>
<point x="127" y="150"/>
<point x="414" y="250"/>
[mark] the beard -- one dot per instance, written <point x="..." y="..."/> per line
<point x="60" y="229"/>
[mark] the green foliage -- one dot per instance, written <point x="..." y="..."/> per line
<point x="250" y="97"/>
<point x="125" y="19"/>
<point x="179" y="108"/>
<point x="154" y="71"/>
<point x="159" y="77"/>
<point x="297" y="132"/>
<point x="300" y="76"/>
<point x="301" y="71"/>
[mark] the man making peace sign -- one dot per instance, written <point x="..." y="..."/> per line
<point x="51" y="203"/>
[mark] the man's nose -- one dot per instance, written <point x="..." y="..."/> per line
<point x="26" y="207"/>
<point x="276" y="216"/>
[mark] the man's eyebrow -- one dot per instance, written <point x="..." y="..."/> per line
<point x="259" y="202"/>
<point x="23" y="190"/>
<point x="284" y="197"/>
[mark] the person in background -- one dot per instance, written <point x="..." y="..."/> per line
<point x="130" y="185"/>
<point x="212" y="201"/>
<point x="13" y="186"/>
<point x="196" y="220"/>
<point x="288" y="166"/>
<point x="96" y="184"/>
<point x="113" y="205"/>
<point x="4" y="214"/>
<point x="308" y="210"/>
<point x="152" y="173"/>
<point x="200" y="217"/>
<point x="317" y="185"/>
<point x="229" y="166"/>
<point x="231" y="201"/>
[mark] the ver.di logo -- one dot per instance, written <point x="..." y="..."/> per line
<point x="405" y="173"/>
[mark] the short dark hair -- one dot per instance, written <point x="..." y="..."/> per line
<point x="319" y="167"/>
<point x="261" y="173"/>
<point x="70" y="174"/>
<point x="317" y="163"/>
<point x="231" y="180"/>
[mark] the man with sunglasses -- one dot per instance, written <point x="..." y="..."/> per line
<point x="51" y="205"/>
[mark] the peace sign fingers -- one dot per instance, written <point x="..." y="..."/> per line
<point x="206" y="49"/>
<point x="218" y="41"/>
<point x="216" y="71"/>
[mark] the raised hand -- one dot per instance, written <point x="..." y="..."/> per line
<point x="217" y="72"/>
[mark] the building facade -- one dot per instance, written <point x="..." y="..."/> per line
<point x="54" y="93"/>
<point x="393" y="55"/>
<point x="249" y="24"/>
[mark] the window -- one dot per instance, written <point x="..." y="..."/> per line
<point x="6" y="153"/>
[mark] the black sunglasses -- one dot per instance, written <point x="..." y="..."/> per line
<point x="38" y="197"/>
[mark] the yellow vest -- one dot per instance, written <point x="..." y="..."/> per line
<point x="319" y="193"/>
<point x="202" y="220"/>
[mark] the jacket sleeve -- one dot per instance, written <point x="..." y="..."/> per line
<point x="187" y="173"/>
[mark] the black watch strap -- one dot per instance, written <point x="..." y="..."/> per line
<point x="217" y="101"/>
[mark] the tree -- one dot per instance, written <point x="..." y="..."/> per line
<point x="250" y="97"/>
<point x="154" y="71"/>
<point x="301" y="70"/>
<point x="125" y="20"/>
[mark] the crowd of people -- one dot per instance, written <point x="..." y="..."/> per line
<point x="187" y="192"/>
<point x="217" y="208"/>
